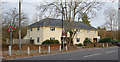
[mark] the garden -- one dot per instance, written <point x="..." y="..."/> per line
<point x="103" y="42"/>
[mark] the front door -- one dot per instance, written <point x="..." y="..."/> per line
<point x="94" y="39"/>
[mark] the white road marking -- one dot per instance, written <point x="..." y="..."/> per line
<point x="70" y="59"/>
<point x="55" y="54"/>
<point x="111" y="51"/>
<point x="92" y="55"/>
<point x="100" y="53"/>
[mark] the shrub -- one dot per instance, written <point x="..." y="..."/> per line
<point x="105" y="40"/>
<point x="80" y="44"/>
<point x="87" y="40"/>
<point x="56" y="42"/>
<point x="115" y="41"/>
<point x="51" y="42"/>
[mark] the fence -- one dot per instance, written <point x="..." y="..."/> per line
<point x="16" y="41"/>
<point x="27" y="49"/>
<point x="35" y="49"/>
<point x="96" y="44"/>
<point x="32" y="47"/>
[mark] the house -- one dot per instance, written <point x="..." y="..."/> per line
<point x="52" y="29"/>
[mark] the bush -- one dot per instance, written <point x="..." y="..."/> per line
<point x="115" y="41"/>
<point x="51" y="42"/>
<point x="80" y="44"/>
<point x="105" y="40"/>
<point x="87" y="40"/>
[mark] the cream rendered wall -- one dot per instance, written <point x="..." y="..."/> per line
<point x="83" y="34"/>
<point x="34" y="34"/>
<point x="44" y="33"/>
<point x="47" y="34"/>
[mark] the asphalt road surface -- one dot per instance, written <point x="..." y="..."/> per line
<point x="110" y="53"/>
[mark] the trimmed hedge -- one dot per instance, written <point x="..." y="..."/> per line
<point x="109" y="40"/>
<point x="105" y="40"/>
<point x="51" y="42"/>
<point x="87" y="40"/>
<point x="80" y="44"/>
<point x="115" y="41"/>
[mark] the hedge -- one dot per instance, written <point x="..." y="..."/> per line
<point x="115" y="41"/>
<point x="87" y="40"/>
<point x="51" y="42"/>
<point x="80" y="44"/>
<point x="105" y="40"/>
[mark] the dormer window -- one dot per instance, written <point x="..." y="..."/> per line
<point x="88" y="31"/>
<point x="95" y="31"/>
<point x="52" y="38"/>
<point x="38" y="28"/>
<point x="30" y="29"/>
<point x="78" y="30"/>
<point x="52" y="28"/>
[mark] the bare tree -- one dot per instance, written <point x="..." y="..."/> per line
<point x="12" y="17"/>
<point x="36" y="18"/>
<point x="111" y="20"/>
<point x="73" y="10"/>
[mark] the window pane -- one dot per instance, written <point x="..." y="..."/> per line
<point x="79" y="30"/>
<point x="88" y="31"/>
<point x="78" y="39"/>
<point x="30" y="29"/>
<point x="38" y="39"/>
<point x="38" y="28"/>
<point x="30" y="38"/>
<point x="52" y="38"/>
<point x="52" y="28"/>
<point x="95" y="31"/>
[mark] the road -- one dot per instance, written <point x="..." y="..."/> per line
<point x="110" y="53"/>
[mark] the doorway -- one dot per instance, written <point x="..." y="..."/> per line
<point x="94" y="39"/>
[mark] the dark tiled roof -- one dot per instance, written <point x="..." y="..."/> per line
<point x="58" y="23"/>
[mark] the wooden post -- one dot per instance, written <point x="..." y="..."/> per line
<point x="9" y="50"/>
<point x="20" y="25"/>
<point x="48" y="49"/>
<point x="39" y="49"/>
<point x="28" y="50"/>
<point x="60" y="48"/>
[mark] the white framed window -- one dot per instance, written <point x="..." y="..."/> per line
<point x="52" y="28"/>
<point x="52" y="38"/>
<point x="38" y="28"/>
<point x="30" y="38"/>
<point x="77" y="39"/>
<point x="31" y="29"/>
<point x="38" y="39"/>
<point x="94" y="31"/>
<point x="78" y="30"/>
<point x="88" y="31"/>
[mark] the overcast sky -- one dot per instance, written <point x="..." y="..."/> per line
<point x="29" y="7"/>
